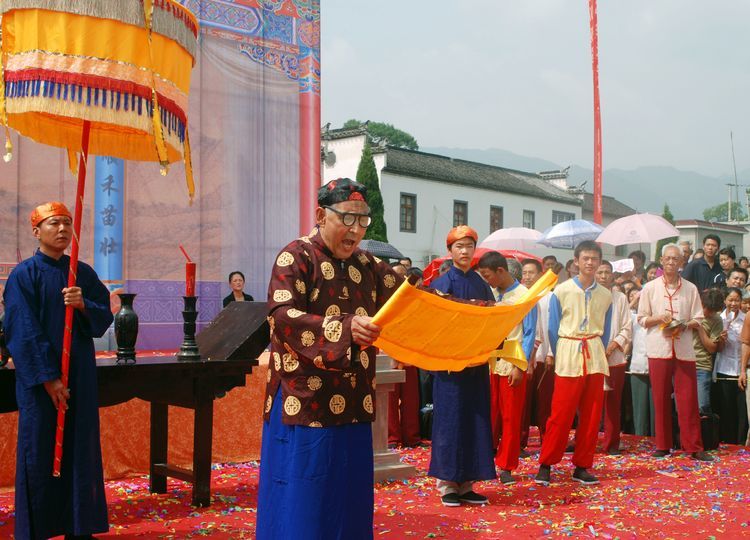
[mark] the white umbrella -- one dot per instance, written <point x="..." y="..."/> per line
<point x="519" y="238"/>
<point x="637" y="229"/>
<point x="568" y="234"/>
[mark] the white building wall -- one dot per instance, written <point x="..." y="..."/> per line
<point x="435" y="205"/>
<point x="435" y="214"/>
<point x="348" y="154"/>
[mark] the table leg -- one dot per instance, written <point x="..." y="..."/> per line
<point x="157" y="482"/>
<point x="202" y="442"/>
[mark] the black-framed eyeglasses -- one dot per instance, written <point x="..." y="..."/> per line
<point x="349" y="218"/>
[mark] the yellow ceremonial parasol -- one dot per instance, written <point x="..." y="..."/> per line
<point x="110" y="77"/>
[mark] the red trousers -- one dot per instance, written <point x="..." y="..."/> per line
<point x="527" y="405"/>
<point x="539" y="397"/>
<point x="662" y="371"/>
<point x="585" y="395"/>
<point x="496" y="418"/>
<point x="403" y="410"/>
<point x="510" y="403"/>
<point x="613" y="408"/>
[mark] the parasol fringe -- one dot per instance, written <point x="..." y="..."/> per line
<point x="3" y="114"/>
<point x="99" y="105"/>
<point x="8" y="146"/>
<point x="123" y="117"/>
<point x="161" y="147"/>
<point x="187" y="157"/>
<point x="73" y="161"/>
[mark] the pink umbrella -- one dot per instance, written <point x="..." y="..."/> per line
<point x="637" y="229"/>
<point x="519" y="238"/>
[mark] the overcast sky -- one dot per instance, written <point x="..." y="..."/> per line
<point x="516" y="75"/>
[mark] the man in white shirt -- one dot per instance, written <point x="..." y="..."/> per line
<point x="620" y="337"/>
<point x="670" y="310"/>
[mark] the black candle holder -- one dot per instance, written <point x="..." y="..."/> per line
<point x="189" y="348"/>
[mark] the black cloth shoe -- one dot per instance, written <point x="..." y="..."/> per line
<point x="451" y="499"/>
<point x="660" y="453"/>
<point x="702" y="456"/>
<point x="615" y="452"/>
<point x="524" y="454"/>
<point x="543" y="476"/>
<point x="473" y="498"/>
<point x="506" y="478"/>
<point x="584" y="477"/>
<point x="570" y="448"/>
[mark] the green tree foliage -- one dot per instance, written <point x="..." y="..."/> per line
<point x="395" y="136"/>
<point x="666" y="214"/>
<point x="367" y="174"/>
<point x="719" y="212"/>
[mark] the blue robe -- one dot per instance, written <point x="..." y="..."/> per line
<point x="34" y="323"/>
<point x="461" y="428"/>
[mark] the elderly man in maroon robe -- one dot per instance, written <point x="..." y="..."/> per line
<point x="35" y="298"/>
<point x="316" y="473"/>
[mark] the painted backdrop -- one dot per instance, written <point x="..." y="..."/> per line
<point x="258" y="63"/>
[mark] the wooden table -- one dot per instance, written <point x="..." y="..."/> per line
<point x="163" y="381"/>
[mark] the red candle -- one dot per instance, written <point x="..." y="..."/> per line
<point x="189" y="279"/>
<point x="189" y="274"/>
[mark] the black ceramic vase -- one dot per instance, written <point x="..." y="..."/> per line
<point x="126" y="328"/>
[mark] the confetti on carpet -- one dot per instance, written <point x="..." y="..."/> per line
<point x="639" y="497"/>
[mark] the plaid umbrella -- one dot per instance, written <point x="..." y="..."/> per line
<point x="380" y="249"/>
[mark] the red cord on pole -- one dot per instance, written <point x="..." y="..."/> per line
<point x="72" y="275"/>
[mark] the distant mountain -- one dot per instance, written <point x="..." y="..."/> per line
<point x="646" y="188"/>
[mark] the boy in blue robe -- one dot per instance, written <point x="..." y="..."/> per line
<point x="35" y="299"/>
<point x="462" y="450"/>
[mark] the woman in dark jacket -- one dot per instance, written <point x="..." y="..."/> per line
<point x="237" y="283"/>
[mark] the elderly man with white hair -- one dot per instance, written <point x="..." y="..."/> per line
<point x="670" y="310"/>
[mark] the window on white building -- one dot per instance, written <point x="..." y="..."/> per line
<point x="408" y="215"/>
<point x="460" y="213"/>
<point x="496" y="218"/>
<point x="529" y="220"/>
<point x="559" y="217"/>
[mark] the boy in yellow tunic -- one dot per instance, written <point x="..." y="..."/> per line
<point x="579" y="326"/>
<point x="508" y="387"/>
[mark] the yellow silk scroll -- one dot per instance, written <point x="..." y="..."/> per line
<point x="434" y="333"/>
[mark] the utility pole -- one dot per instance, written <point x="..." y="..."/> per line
<point x="736" y="185"/>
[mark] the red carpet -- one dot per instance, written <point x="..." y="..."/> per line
<point x="639" y="497"/>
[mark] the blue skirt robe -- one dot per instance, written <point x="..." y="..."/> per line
<point x="315" y="483"/>
<point x="75" y="502"/>
<point x="461" y="428"/>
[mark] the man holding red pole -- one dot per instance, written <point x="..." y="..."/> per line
<point x="36" y="296"/>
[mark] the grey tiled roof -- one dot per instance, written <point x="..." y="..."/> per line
<point x="610" y="206"/>
<point x="468" y="173"/>
<point x="342" y="133"/>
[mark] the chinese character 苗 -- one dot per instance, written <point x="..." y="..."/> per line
<point x="109" y="216"/>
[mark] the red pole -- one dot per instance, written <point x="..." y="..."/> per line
<point x="597" y="115"/>
<point x="72" y="274"/>
<point x="309" y="121"/>
<point x="309" y="159"/>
